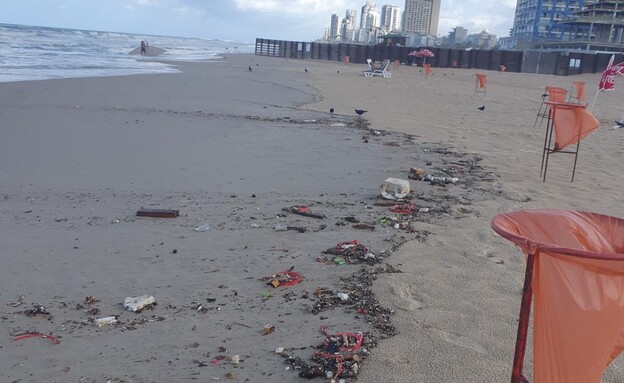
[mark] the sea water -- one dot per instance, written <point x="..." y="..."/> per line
<point x="39" y="53"/>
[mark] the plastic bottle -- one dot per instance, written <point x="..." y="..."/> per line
<point x="201" y="228"/>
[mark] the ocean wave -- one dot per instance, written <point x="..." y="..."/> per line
<point x="61" y="53"/>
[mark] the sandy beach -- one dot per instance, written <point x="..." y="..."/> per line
<point x="234" y="144"/>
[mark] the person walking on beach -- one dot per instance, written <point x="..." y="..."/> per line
<point x="143" y="46"/>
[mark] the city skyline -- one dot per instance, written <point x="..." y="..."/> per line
<point x="241" y="20"/>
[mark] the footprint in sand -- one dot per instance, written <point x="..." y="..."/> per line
<point x="404" y="299"/>
<point x="461" y="341"/>
<point x="492" y="257"/>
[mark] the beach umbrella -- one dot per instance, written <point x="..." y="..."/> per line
<point x="424" y="53"/>
<point x="413" y="53"/>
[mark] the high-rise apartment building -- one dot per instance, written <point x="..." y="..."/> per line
<point x="538" y="20"/>
<point x="391" y="17"/>
<point x="369" y="17"/>
<point x="347" y="28"/>
<point x="334" y="27"/>
<point x="422" y="16"/>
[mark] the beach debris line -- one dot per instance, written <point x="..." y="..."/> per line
<point x="158" y="213"/>
<point x="140" y="303"/>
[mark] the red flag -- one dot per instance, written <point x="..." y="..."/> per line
<point x="607" y="79"/>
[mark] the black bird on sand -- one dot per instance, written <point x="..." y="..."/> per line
<point x="360" y="112"/>
<point x="305" y="69"/>
<point x="337" y="71"/>
<point x="620" y="124"/>
<point x="331" y="110"/>
<point x="481" y="108"/>
<point x="250" y="68"/>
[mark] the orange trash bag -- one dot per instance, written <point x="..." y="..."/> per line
<point x="427" y="69"/>
<point x="556" y="94"/>
<point x="575" y="271"/>
<point x="572" y="122"/>
<point x="480" y="83"/>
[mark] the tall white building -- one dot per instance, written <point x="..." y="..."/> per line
<point x="390" y="17"/>
<point x="421" y="16"/>
<point x="347" y="28"/>
<point x="370" y="17"/>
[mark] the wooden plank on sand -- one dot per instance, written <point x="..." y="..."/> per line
<point x="158" y="213"/>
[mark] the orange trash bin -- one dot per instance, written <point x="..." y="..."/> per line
<point x="575" y="276"/>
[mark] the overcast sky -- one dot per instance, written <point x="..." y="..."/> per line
<point x="241" y="20"/>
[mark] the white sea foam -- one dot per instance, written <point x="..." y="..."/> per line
<point x="39" y="53"/>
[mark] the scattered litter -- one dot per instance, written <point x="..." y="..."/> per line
<point x="395" y="188"/>
<point x="36" y="334"/>
<point x="284" y="278"/>
<point x="338" y="124"/>
<point x="309" y="121"/>
<point x="266" y="295"/>
<point x="340" y="355"/>
<point x="364" y="226"/>
<point x="37" y="311"/>
<point x="137" y="304"/>
<point x="106" y="321"/>
<point x="417" y="172"/>
<point x="281" y="227"/>
<point x="402" y="208"/>
<point x="347" y="252"/>
<point x="441" y="180"/>
<point x="304" y="211"/>
<point x="90" y="299"/>
<point x="280" y="350"/>
<point x="255" y="225"/>
<point x="343" y="297"/>
<point x="268" y="329"/>
<point x="158" y="213"/>
<point x="235" y="359"/>
<point x="204" y="227"/>
<point x="230" y="375"/>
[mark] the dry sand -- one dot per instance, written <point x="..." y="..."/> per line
<point x="232" y="147"/>
<point x="457" y="300"/>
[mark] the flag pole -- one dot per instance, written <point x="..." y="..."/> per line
<point x="594" y="102"/>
